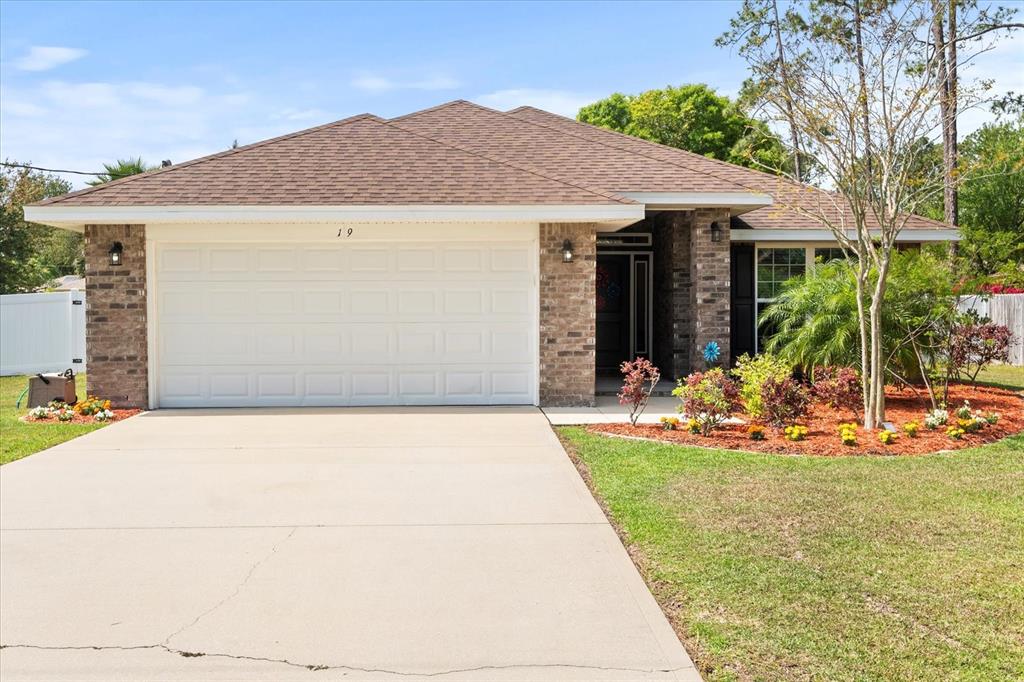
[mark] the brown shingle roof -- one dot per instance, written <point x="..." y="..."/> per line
<point x="772" y="217"/>
<point x="361" y="160"/>
<point x="456" y="153"/>
<point x="591" y="162"/>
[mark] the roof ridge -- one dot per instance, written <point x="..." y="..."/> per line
<point x="209" y="157"/>
<point x="504" y="162"/>
<point x="436" y="107"/>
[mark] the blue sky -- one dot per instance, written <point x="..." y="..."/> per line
<point x="83" y="83"/>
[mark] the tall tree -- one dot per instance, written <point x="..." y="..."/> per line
<point x="758" y="27"/>
<point x="862" y="91"/>
<point x="23" y="267"/>
<point x="121" y="168"/>
<point x="960" y="25"/>
<point x="694" y="118"/>
<point x="992" y="198"/>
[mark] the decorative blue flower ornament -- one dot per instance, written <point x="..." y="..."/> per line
<point x="712" y="352"/>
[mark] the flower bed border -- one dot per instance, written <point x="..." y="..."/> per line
<point x="823" y="439"/>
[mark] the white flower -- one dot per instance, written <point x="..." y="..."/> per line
<point x="936" y="418"/>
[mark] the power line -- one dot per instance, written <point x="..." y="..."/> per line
<point x="59" y="170"/>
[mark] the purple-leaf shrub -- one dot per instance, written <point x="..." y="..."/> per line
<point x="973" y="346"/>
<point x="639" y="379"/>
<point x="838" y="387"/>
<point x="708" y="397"/>
<point x="783" y="402"/>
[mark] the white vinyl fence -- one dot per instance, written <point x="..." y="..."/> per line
<point x="42" y="332"/>
<point x="1005" y="309"/>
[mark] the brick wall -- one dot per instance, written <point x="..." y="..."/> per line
<point x="115" y="315"/>
<point x="567" y="315"/>
<point x="672" y="327"/>
<point x="709" y="291"/>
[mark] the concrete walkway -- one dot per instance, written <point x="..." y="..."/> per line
<point x="369" y="544"/>
<point x="608" y="411"/>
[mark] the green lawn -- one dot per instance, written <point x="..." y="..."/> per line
<point x="801" y="568"/>
<point x="18" y="439"/>
<point x="1004" y="376"/>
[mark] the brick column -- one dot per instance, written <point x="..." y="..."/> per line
<point x="567" y="315"/>
<point x="115" y="315"/>
<point x="709" y="291"/>
<point x="672" y="273"/>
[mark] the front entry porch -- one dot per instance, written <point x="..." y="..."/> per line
<point x="661" y="292"/>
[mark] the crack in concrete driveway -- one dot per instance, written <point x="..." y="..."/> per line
<point x="325" y="536"/>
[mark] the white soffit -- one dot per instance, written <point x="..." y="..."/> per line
<point x="613" y="216"/>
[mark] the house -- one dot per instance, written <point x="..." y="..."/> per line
<point x="456" y="255"/>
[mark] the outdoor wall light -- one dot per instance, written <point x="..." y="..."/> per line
<point x="567" y="253"/>
<point x="116" y="251"/>
<point x="716" y="232"/>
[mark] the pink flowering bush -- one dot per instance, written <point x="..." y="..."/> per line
<point x="639" y="379"/>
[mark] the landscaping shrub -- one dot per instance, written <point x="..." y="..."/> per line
<point x="783" y="401"/>
<point x="910" y="428"/>
<point x="708" y="397"/>
<point x="887" y="437"/>
<point x="752" y="373"/>
<point x="639" y="379"/>
<point x="973" y="346"/>
<point x="669" y="423"/>
<point x="755" y="432"/>
<point x="838" y="387"/>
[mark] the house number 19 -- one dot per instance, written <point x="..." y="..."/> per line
<point x="348" y="232"/>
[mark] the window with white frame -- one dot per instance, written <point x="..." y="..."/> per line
<point x="778" y="262"/>
<point x="775" y="265"/>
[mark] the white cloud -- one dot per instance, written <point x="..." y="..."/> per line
<point x="373" y="82"/>
<point x="565" y="102"/>
<point x="79" y="126"/>
<point x="41" y="58"/>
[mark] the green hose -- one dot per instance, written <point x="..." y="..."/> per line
<point x="17" y="405"/>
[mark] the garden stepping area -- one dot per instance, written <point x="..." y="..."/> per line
<point x="902" y="406"/>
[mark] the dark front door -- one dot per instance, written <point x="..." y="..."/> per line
<point x="741" y="308"/>
<point x="612" y="304"/>
<point x="623" y="308"/>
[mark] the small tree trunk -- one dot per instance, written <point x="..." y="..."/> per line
<point x="865" y="365"/>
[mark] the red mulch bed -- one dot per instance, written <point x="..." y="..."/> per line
<point x="119" y="415"/>
<point x="823" y="427"/>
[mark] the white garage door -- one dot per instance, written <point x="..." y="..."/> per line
<point x="371" y="323"/>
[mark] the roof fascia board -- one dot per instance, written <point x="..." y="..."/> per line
<point x="802" y="235"/>
<point x="76" y="217"/>
<point x="738" y="202"/>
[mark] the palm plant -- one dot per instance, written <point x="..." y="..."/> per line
<point x="122" y="168"/>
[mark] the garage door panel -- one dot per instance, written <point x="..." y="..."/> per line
<point x="348" y="324"/>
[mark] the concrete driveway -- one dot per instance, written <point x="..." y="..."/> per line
<point x="318" y="545"/>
